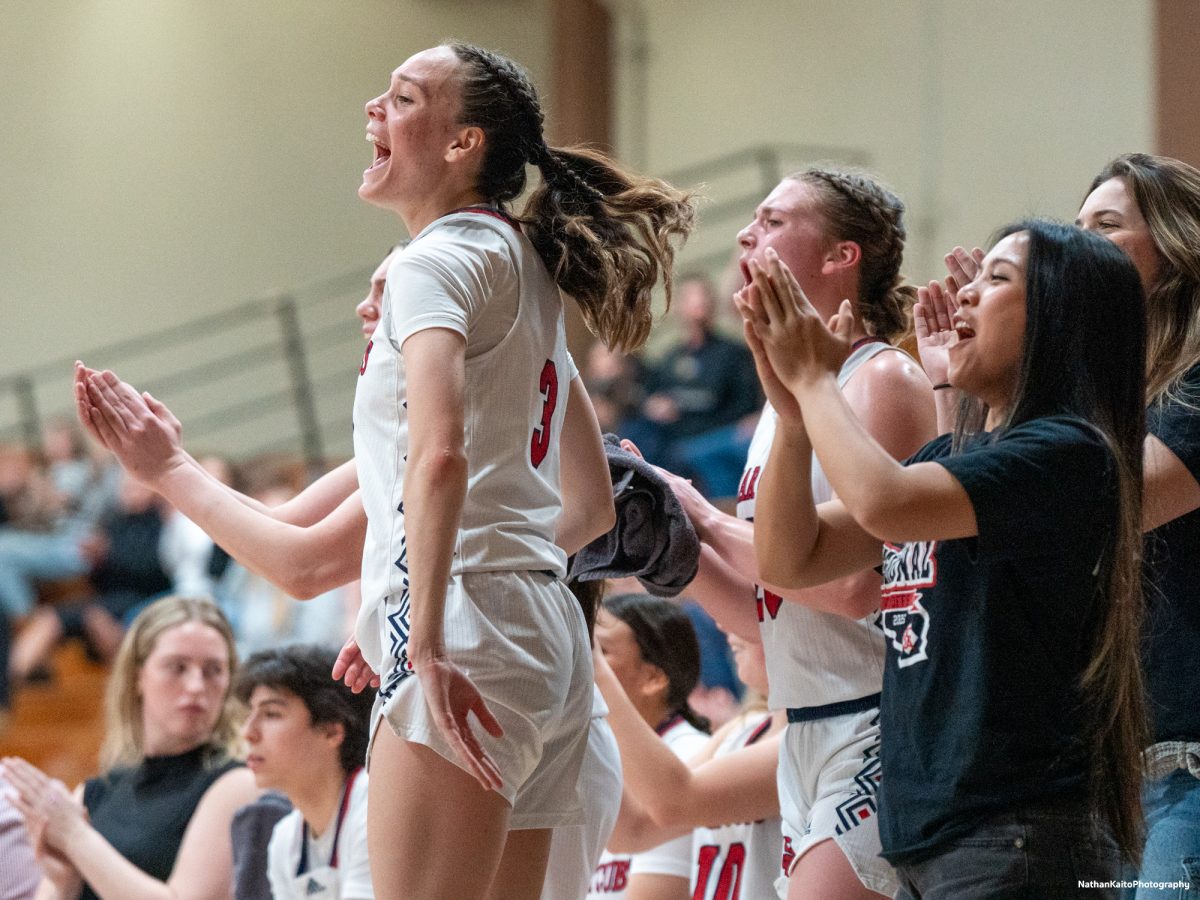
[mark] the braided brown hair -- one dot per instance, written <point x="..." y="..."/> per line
<point x="605" y="234"/>
<point x="858" y="208"/>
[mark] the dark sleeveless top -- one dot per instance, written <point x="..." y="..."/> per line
<point x="144" y="811"/>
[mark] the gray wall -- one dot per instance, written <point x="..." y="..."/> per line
<point x="167" y="158"/>
<point x="163" y="158"/>
<point x="975" y="111"/>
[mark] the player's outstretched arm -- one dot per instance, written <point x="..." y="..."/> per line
<point x="676" y="795"/>
<point x="303" y="561"/>
<point x="308" y="507"/>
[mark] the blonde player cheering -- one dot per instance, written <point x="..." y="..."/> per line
<point x="843" y="234"/>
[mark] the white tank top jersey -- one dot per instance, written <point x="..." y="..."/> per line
<point x="738" y="861"/>
<point x="611" y="881"/>
<point x="813" y="658"/>
<point x="473" y="272"/>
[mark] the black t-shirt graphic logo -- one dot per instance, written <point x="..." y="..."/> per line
<point x="906" y="623"/>
<point x="906" y="569"/>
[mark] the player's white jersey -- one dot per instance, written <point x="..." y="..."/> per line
<point x="813" y="658"/>
<point x="472" y="272"/>
<point x="738" y="862"/>
<point x="575" y="851"/>
<point x="611" y="880"/>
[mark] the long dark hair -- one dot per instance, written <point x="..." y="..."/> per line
<point x="1084" y="356"/>
<point x="604" y="233"/>
<point x="666" y="638"/>
<point x="1167" y="193"/>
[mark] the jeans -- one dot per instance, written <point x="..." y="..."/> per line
<point x="27" y="557"/>
<point x="1043" y="852"/>
<point x="1172" y="852"/>
<point x="715" y="459"/>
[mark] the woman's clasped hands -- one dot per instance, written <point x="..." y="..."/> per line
<point x="792" y="345"/>
<point x="50" y="813"/>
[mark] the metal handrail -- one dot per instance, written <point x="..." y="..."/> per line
<point x="767" y="158"/>
<point x="300" y="339"/>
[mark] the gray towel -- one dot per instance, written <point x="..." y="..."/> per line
<point x="251" y="833"/>
<point x="653" y="538"/>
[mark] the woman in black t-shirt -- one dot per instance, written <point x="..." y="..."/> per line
<point x="1012" y="713"/>
<point x="1149" y="206"/>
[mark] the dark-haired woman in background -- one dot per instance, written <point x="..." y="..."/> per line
<point x="306" y="736"/>
<point x="724" y="795"/>
<point x="1012" y="700"/>
<point x="651" y="648"/>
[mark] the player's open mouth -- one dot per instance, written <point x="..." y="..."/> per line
<point x="963" y="330"/>
<point x="744" y="265"/>
<point x="382" y="152"/>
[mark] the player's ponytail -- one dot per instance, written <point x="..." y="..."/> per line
<point x="605" y="234"/>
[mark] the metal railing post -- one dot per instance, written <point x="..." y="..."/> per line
<point x="301" y="384"/>
<point x="31" y="425"/>
<point x="768" y="167"/>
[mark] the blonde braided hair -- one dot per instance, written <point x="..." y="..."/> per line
<point x="858" y="208"/>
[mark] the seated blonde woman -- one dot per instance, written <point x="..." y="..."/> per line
<point x="155" y="823"/>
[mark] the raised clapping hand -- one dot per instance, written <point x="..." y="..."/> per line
<point x="451" y="697"/>
<point x="49" y="810"/>
<point x="932" y="316"/>
<point x="799" y="346"/>
<point x="142" y="433"/>
<point x="963" y="267"/>
<point x="934" y="310"/>
<point x="746" y="300"/>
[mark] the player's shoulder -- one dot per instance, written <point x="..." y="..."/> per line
<point x="457" y="239"/>
<point x="470" y="228"/>
<point x="892" y="373"/>
<point x="894" y="365"/>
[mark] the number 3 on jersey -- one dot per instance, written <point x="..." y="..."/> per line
<point x="539" y="441"/>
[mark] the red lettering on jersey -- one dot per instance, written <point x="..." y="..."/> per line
<point x="729" y="882"/>
<point x="789" y="856"/>
<point x="539" y="441"/>
<point x="362" y="370"/>
<point x="704" y="864"/>
<point x="749" y="484"/>
<point x="769" y="604"/>
<point x="611" y="877"/>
